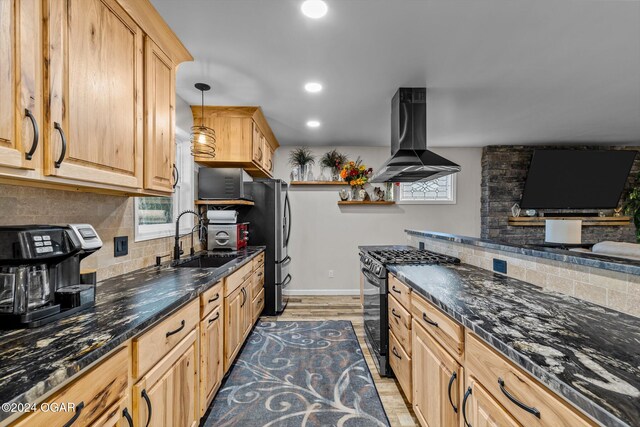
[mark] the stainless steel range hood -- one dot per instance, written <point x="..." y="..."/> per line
<point x="410" y="160"/>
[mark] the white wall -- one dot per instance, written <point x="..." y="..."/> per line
<point x="326" y="237"/>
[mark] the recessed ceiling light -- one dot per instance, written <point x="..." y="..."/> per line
<point x="313" y="87"/>
<point x="313" y="123"/>
<point x="314" y="9"/>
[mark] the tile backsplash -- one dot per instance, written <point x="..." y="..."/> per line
<point x="110" y="215"/>
<point x="618" y="291"/>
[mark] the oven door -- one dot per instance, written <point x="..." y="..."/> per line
<point x="376" y="324"/>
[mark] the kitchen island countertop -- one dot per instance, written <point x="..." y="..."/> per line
<point x="586" y="353"/>
<point x="35" y="361"/>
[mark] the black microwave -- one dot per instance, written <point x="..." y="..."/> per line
<point x="223" y="184"/>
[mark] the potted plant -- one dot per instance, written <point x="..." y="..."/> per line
<point x="632" y="205"/>
<point x="357" y="175"/>
<point x="302" y="159"/>
<point x="334" y="160"/>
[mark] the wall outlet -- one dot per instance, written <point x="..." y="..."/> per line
<point x="331" y="274"/>
<point x="500" y="266"/>
<point x="120" y="246"/>
<point x="421" y="245"/>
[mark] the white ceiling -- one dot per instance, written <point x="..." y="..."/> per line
<point x="497" y="71"/>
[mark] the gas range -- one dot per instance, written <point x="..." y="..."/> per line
<point x="376" y="260"/>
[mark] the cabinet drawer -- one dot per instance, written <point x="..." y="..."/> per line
<point x="257" y="283"/>
<point x="154" y="344"/>
<point x="499" y="377"/>
<point x="400" y="291"/>
<point x="448" y="332"/>
<point x="210" y="299"/>
<point x="258" y="261"/>
<point x="400" y="324"/>
<point x="103" y="386"/>
<point x="233" y="282"/>
<point x="401" y="365"/>
<point x="257" y="305"/>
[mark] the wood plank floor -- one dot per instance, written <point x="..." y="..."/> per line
<point x="348" y="308"/>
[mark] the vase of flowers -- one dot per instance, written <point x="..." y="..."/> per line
<point x="357" y="175"/>
<point x="333" y="160"/>
<point x="632" y="205"/>
<point x="303" y="159"/>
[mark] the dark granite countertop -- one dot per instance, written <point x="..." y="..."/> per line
<point x="586" y="353"/>
<point x="34" y="361"/>
<point x="587" y="259"/>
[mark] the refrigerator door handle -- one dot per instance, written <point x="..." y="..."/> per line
<point x="287" y="205"/>
<point x="286" y="281"/>
<point x="285" y="261"/>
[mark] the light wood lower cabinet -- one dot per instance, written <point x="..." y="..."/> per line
<point x="437" y="379"/>
<point x="118" y="415"/>
<point x="237" y="319"/>
<point x="481" y="410"/>
<point x="211" y="357"/>
<point x="168" y="394"/>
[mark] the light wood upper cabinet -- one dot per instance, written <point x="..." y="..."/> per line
<point x="159" y="147"/>
<point x="243" y="138"/>
<point x="20" y="83"/>
<point x="95" y="86"/>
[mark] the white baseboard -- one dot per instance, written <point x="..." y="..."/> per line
<point x="303" y="292"/>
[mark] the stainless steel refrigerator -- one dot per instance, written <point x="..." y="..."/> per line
<point x="270" y="225"/>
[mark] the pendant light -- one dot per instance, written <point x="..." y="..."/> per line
<point x="203" y="138"/>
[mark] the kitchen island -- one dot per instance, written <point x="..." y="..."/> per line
<point x="36" y="362"/>
<point x="587" y="354"/>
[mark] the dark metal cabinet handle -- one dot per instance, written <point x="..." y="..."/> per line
<point x="429" y="321"/>
<point x="177" y="330"/>
<point x="395" y="353"/>
<point x="451" y="380"/>
<point x="244" y="295"/>
<point x="79" y="408"/>
<point x="145" y="396"/>
<point x="215" y="318"/>
<point x="393" y="311"/>
<point x="216" y="298"/>
<point x="270" y="165"/>
<point x="125" y="413"/>
<point x="63" y="153"/>
<point x="176" y="175"/>
<point x="464" y="407"/>
<point x="529" y="409"/>
<point x="393" y="288"/>
<point x="36" y="134"/>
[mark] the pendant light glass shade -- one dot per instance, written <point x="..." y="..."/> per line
<point x="203" y="138"/>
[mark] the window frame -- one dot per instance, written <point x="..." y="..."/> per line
<point x="182" y="196"/>
<point x="451" y="201"/>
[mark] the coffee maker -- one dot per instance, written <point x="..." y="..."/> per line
<point x="40" y="279"/>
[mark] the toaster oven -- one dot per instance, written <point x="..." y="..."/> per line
<point x="227" y="236"/>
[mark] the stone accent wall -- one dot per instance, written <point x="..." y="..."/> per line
<point x="504" y="171"/>
<point x="111" y="216"/>
<point x="618" y="291"/>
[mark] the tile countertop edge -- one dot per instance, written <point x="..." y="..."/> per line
<point x="567" y="392"/>
<point x="588" y="260"/>
<point x="66" y="375"/>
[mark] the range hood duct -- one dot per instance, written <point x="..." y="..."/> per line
<point x="410" y="160"/>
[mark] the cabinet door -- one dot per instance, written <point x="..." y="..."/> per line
<point x="94" y="83"/>
<point x="173" y="398"/>
<point x="233" y="325"/>
<point x="268" y="161"/>
<point x="258" y="149"/>
<point x="118" y="415"/>
<point x="482" y="411"/>
<point x="159" y="144"/>
<point x="247" y="310"/>
<point x="211" y="357"/>
<point x="435" y="402"/>
<point x="20" y="83"/>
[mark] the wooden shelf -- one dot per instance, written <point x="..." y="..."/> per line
<point x="587" y="221"/>
<point x="360" y="202"/>
<point x="225" y="202"/>
<point x="319" y="183"/>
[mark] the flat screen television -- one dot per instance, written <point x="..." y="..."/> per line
<point x="576" y="179"/>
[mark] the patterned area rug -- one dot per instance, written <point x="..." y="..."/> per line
<point x="299" y="374"/>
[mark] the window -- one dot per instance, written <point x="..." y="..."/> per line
<point x="155" y="216"/>
<point x="439" y="191"/>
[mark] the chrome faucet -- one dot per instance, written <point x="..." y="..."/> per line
<point x="176" y="248"/>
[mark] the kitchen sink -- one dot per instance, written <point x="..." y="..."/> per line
<point x="208" y="261"/>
